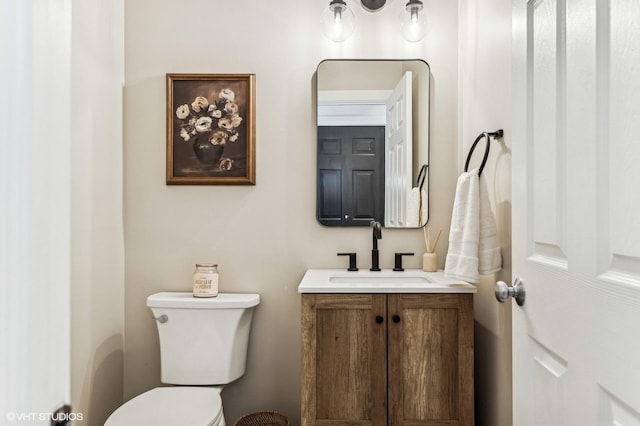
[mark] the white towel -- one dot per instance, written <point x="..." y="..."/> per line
<point x="489" y="255"/>
<point x="473" y="241"/>
<point x="416" y="198"/>
<point x="464" y="235"/>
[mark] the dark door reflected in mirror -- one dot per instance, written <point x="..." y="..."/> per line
<point x="373" y="140"/>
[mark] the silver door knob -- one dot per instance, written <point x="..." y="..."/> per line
<point x="504" y="292"/>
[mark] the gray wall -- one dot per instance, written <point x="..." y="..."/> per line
<point x="263" y="237"/>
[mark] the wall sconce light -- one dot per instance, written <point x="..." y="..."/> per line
<point x="338" y="21"/>
<point x="413" y="23"/>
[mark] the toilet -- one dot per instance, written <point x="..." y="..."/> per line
<point x="203" y="346"/>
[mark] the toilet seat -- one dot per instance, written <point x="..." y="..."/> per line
<point x="171" y="406"/>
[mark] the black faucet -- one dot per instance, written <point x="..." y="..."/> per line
<point x="375" y="255"/>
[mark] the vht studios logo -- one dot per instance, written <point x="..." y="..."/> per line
<point x="50" y="417"/>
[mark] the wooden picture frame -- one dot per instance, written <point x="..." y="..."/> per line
<point x="211" y="129"/>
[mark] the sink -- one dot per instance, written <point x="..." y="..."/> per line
<point x="376" y="279"/>
<point x="385" y="281"/>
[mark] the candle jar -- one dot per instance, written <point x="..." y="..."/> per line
<point x="205" y="280"/>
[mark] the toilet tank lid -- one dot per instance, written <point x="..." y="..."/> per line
<point x="185" y="300"/>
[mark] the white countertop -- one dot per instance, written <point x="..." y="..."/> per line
<point x="385" y="281"/>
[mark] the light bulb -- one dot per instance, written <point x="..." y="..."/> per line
<point x="338" y="21"/>
<point x="413" y="25"/>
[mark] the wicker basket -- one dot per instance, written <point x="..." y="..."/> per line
<point x="263" y="418"/>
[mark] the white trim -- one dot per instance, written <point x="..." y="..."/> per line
<point x="351" y="115"/>
<point x="332" y="97"/>
<point x="352" y="107"/>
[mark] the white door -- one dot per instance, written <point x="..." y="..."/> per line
<point x="34" y="210"/>
<point x="398" y="156"/>
<point x="576" y="212"/>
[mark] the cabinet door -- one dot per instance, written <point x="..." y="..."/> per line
<point x="344" y="375"/>
<point x="430" y="359"/>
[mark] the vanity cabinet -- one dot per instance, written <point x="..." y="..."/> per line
<point x="387" y="359"/>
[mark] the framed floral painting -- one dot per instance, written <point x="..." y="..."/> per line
<point x="211" y="129"/>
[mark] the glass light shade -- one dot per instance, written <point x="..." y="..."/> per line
<point x="413" y="22"/>
<point x="338" y="21"/>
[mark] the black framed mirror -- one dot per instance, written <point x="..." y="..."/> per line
<point x="373" y="142"/>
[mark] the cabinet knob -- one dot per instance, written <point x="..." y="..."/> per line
<point x="379" y="319"/>
<point x="396" y="318"/>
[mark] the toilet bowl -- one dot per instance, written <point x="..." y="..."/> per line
<point x="171" y="406"/>
<point x="203" y="346"/>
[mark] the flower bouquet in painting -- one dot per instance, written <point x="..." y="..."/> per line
<point x="210" y="129"/>
<point x="209" y="126"/>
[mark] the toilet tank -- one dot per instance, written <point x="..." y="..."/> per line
<point x="203" y="340"/>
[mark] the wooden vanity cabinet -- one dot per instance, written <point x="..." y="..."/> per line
<point x="387" y="359"/>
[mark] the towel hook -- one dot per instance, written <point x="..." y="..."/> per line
<point x="488" y="135"/>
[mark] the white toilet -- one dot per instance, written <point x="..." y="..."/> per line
<point x="203" y="346"/>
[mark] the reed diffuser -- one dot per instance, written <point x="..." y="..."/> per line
<point x="429" y="258"/>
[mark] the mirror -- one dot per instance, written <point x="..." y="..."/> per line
<point x="373" y="143"/>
